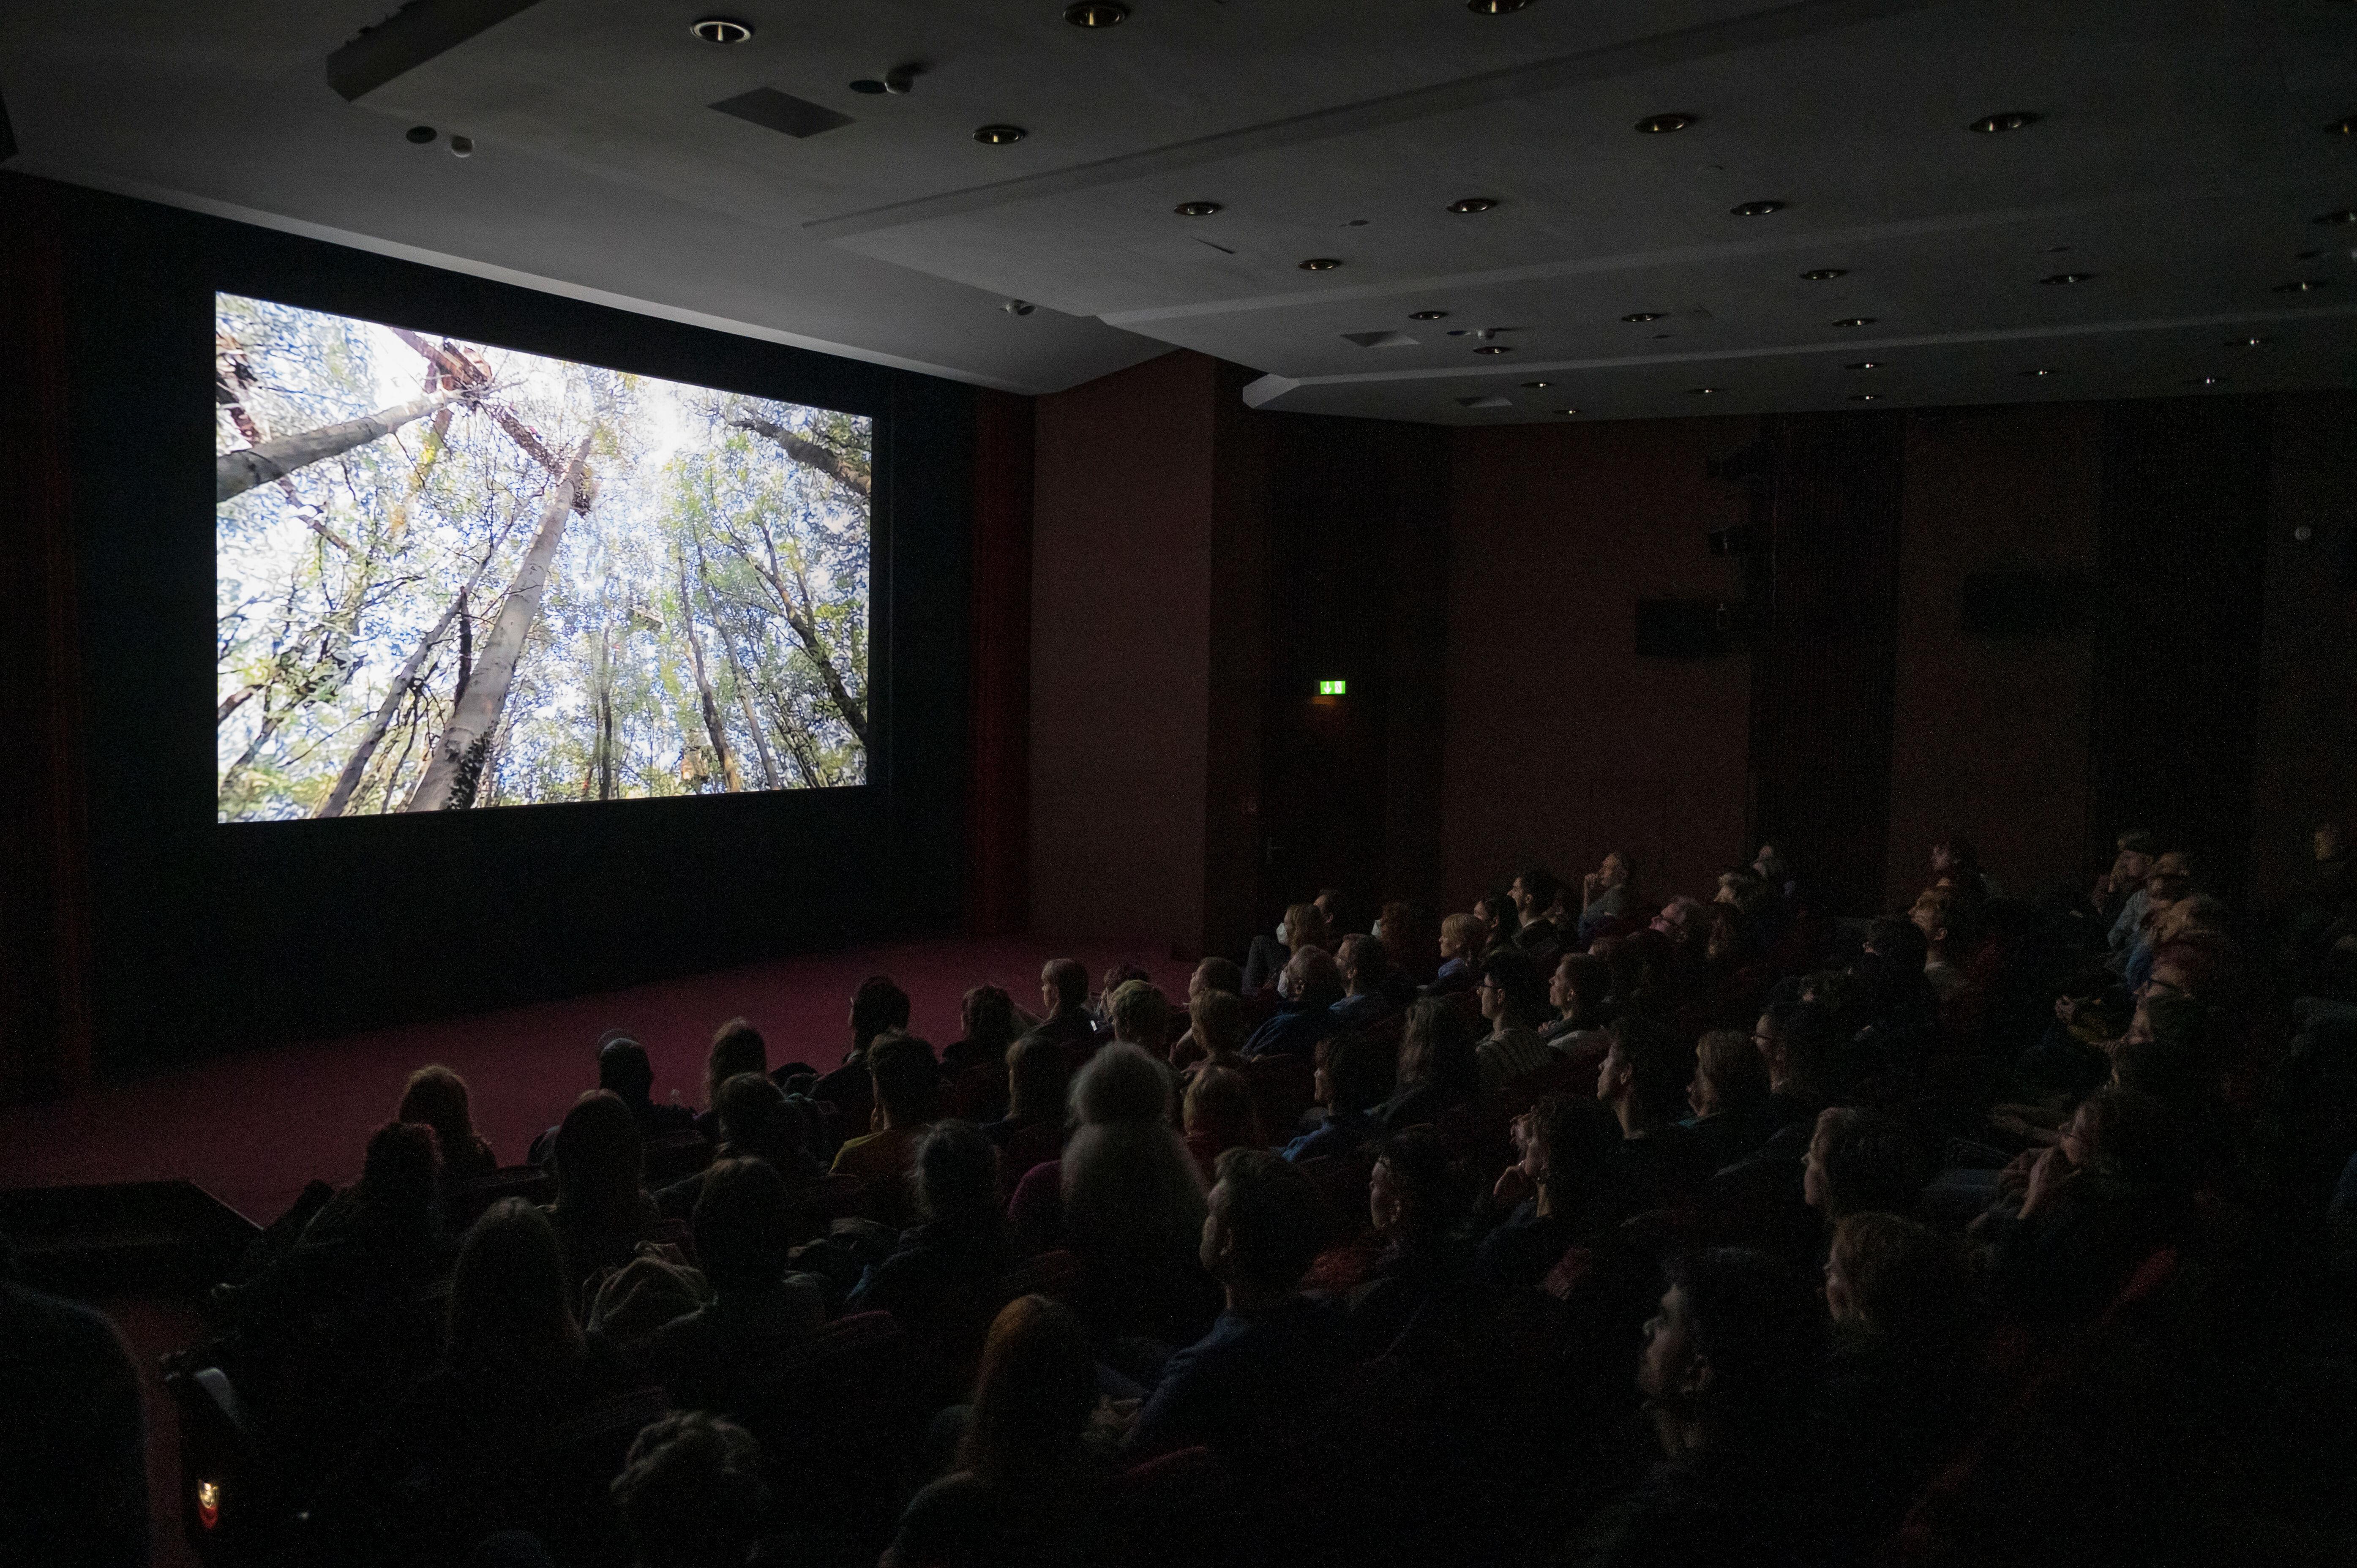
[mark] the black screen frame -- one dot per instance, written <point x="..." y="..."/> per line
<point x="208" y="934"/>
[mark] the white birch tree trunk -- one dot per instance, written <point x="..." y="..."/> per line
<point x="450" y="777"/>
<point x="234" y="472"/>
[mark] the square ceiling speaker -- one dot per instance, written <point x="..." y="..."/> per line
<point x="782" y="113"/>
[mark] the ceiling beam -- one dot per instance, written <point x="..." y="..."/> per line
<point x="409" y="37"/>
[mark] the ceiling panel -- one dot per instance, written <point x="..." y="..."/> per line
<point x="2180" y="155"/>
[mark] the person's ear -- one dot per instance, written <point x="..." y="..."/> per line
<point x="1697" y="1380"/>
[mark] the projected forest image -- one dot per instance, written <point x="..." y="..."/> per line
<point x="453" y="576"/>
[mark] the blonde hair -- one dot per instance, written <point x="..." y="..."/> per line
<point x="1464" y="929"/>
<point x="1140" y="1014"/>
<point x="1305" y="926"/>
<point x="1217" y="1020"/>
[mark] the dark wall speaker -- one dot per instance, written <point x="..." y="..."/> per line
<point x="2023" y="604"/>
<point x="1684" y="628"/>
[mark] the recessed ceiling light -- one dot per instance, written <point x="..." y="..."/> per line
<point x="868" y="85"/>
<point x="1825" y="274"/>
<point x="1864" y="397"/>
<point x="1662" y="124"/>
<point x="2247" y="342"/>
<point x="721" y="29"/>
<point x="1566" y="411"/>
<point x="2202" y="381"/>
<point x="1495" y="7"/>
<point x="2305" y="285"/>
<point x="1356" y="223"/>
<point x="1427" y="315"/>
<point x="1196" y="208"/>
<point x="2056" y="249"/>
<point x="2346" y="126"/>
<point x="1642" y="316"/>
<point x="1755" y="208"/>
<point x="2013" y="120"/>
<point x="1538" y="386"/>
<point x="1320" y="264"/>
<point x="1700" y="391"/>
<point x="462" y="147"/>
<point x="2036" y="372"/>
<point x="1462" y="332"/>
<point x="1473" y="204"/>
<point x="1000" y="135"/>
<point x="2346" y="215"/>
<point x="1097" y="13"/>
<point x="1864" y="365"/>
<point x="1494" y="348"/>
<point x="2066" y="277"/>
<point x="1855" y="321"/>
<point x="420" y="135"/>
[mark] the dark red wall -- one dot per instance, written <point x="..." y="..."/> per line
<point x="1562" y="743"/>
<point x="1989" y="735"/>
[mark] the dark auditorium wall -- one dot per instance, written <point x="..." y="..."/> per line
<point x="1199" y="567"/>
<point x="1990" y="734"/>
<point x="202" y="933"/>
<point x="1124" y="575"/>
<point x="1562" y="742"/>
<point x="1513" y="718"/>
<point x="2305" y="765"/>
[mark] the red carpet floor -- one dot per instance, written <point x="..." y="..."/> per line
<point x="251" y="1127"/>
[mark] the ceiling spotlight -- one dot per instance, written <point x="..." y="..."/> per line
<point x="2305" y="285"/>
<point x="1196" y="208"/>
<point x="1019" y="308"/>
<point x="1320" y="264"/>
<point x="1662" y="124"/>
<point x="1495" y="7"/>
<point x="2247" y="342"/>
<point x="1825" y="274"/>
<point x="1426" y="315"/>
<point x="1097" y="13"/>
<point x="1566" y="411"/>
<point x="999" y="135"/>
<point x="462" y="147"/>
<point x="2346" y="126"/>
<point x="1538" y="386"/>
<point x="721" y="29"/>
<point x="2066" y="277"/>
<point x="2203" y="381"/>
<point x="1755" y="208"/>
<point x="1864" y="397"/>
<point x="1855" y="321"/>
<point x="1864" y="365"/>
<point x="2036" y="372"/>
<point x="1473" y="204"/>
<point x="1642" y="316"/>
<point x="2013" y="121"/>
<point x="868" y="84"/>
<point x="1494" y="348"/>
<point x="1700" y="391"/>
<point x="420" y="135"/>
<point x="2346" y="215"/>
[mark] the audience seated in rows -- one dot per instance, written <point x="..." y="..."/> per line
<point x="2067" y="1171"/>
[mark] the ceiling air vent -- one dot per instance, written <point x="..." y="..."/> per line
<point x="782" y="113"/>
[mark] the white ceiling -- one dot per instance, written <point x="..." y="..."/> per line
<point x="2180" y="157"/>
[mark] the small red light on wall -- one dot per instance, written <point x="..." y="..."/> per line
<point x="208" y="1504"/>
